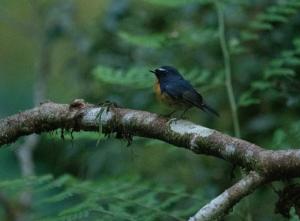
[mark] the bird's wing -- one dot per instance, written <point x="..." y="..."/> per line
<point x="174" y="89"/>
<point x="193" y="97"/>
<point x="184" y="91"/>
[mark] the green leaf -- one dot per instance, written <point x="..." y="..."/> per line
<point x="293" y="61"/>
<point x="280" y="11"/>
<point x="293" y="215"/>
<point x="261" y="85"/>
<point x="279" y="138"/>
<point x="246" y="99"/>
<point x="283" y="72"/>
<point x="259" y="25"/>
<point x="135" y="77"/>
<point x="148" y="41"/>
<point x="273" y="18"/>
<point x="201" y="36"/>
<point x="249" y="36"/>
<point x="177" y="3"/>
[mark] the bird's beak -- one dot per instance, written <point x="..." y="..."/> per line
<point x="152" y="71"/>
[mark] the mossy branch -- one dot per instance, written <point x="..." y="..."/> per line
<point x="267" y="165"/>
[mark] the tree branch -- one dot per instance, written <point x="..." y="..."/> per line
<point x="220" y="206"/>
<point x="126" y="123"/>
<point x="267" y="165"/>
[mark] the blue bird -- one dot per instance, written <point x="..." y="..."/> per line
<point x="171" y="88"/>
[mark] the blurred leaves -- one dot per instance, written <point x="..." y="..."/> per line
<point x="287" y="137"/>
<point x="279" y="12"/>
<point x="246" y="99"/>
<point x="293" y="215"/>
<point x="177" y="3"/>
<point x="136" y="77"/>
<point x="279" y="138"/>
<point x="103" y="51"/>
<point x="148" y="41"/>
<point x="283" y="65"/>
<point x="123" y="198"/>
<point x="186" y="36"/>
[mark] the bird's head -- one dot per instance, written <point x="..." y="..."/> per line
<point x="166" y="72"/>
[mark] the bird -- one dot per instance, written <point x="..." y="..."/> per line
<point x="172" y="89"/>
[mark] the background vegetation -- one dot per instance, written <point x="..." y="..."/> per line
<point x="103" y="50"/>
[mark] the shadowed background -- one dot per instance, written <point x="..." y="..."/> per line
<point x="103" y="50"/>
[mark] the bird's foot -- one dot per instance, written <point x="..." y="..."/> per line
<point x="109" y="104"/>
<point x="105" y="107"/>
<point x="172" y="120"/>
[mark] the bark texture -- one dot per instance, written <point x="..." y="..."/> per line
<point x="265" y="165"/>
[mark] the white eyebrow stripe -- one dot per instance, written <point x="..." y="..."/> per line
<point x="161" y="69"/>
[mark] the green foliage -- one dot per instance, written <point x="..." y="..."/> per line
<point x="177" y="3"/>
<point x="136" y="77"/>
<point x="293" y="215"/>
<point x="201" y="36"/>
<point x="247" y="99"/>
<point x="287" y="137"/>
<point x="280" y="76"/>
<point x="279" y="12"/>
<point x="279" y="138"/>
<point x="66" y="198"/>
<point x="186" y="36"/>
<point x="148" y="41"/>
<point x="118" y="42"/>
<point x="283" y="65"/>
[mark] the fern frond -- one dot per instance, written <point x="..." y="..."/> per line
<point x="186" y="36"/>
<point x="283" y="66"/>
<point x="67" y="199"/>
<point x="12" y="185"/>
<point x="201" y="36"/>
<point x="148" y="41"/>
<point x="279" y="12"/>
<point x="136" y="77"/>
<point x="177" y="3"/>
<point x="59" y="182"/>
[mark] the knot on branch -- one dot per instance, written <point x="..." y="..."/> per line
<point x="76" y="111"/>
<point x="77" y="104"/>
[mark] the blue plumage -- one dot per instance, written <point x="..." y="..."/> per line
<point x="176" y="90"/>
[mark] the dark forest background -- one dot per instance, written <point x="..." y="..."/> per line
<point x="103" y="50"/>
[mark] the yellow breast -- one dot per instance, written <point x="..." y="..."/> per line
<point x="163" y="97"/>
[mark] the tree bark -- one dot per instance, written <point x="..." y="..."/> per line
<point x="266" y="165"/>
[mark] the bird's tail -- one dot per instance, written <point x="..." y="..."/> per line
<point x="207" y="108"/>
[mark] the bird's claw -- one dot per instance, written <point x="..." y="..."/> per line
<point x="109" y="104"/>
<point x="105" y="107"/>
<point x="172" y="120"/>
